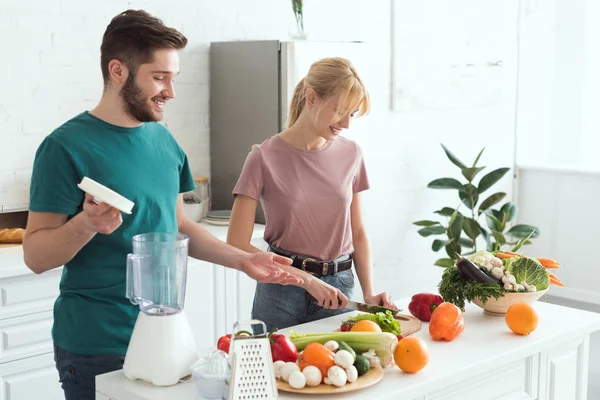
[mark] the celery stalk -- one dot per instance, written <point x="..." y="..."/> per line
<point x="384" y="343"/>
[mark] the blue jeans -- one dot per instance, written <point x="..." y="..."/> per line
<point x="281" y="306"/>
<point x="77" y="372"/>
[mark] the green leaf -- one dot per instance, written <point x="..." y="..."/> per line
<point x="455" y="227"/>
<point x="500" y="239"/>
<point x="471" y="228"/>
<point x="493" y="223"/>
<point x="488" y="180"/>
<point x="426" y="223"/>
<point x="523" y="230"/>
<point x="444" y="262"/>
<point x="470" y="173"/>
<point x="469" y="195"/>
<point x="453" y="158"/>
<point x="488" y="240"/>
<point x="438" y="244"/>
<point x="453" y="249"/>
<point x="478" y="157"/>
<point x="445" y="183"/>
<point x="432" y="230"/>
<point x="464" y="242"/>
<point x="510" y="210"/>
<point x="446" y="211"/>
<point x="490" y="201"/>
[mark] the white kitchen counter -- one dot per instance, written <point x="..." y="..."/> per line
<point x="486" y="361"/>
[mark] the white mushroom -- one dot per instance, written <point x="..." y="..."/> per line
<point x="520" y="287"/>
<point x="277" y="365"/>
<point x="525" y="285"/>
<point x="532" y="288"/>
<point x="337" y="376"/>
<point x="497" y="273"/>
<point x="297" y="380"/>
<point x="496" y="262"/>
<point x="287" y="369"/>
<point x="327" y="381"/>
<point x="332" y="345"/>
<point x="313" y="375"/>
<point x="509" y="286"/>
<point x="344" y="359"/>
<point x="488" y="266"/>
<point x="352" y="373"/>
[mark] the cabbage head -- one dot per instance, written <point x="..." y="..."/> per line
<point x="531" y="271"/>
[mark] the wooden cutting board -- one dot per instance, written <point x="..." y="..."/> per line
<point x="408" y="327"/>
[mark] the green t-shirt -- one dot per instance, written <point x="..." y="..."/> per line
<point x="146" y="165"/>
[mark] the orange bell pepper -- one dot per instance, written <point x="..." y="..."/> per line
<point x="319" y="356"/>
<point x="447" y="322"/>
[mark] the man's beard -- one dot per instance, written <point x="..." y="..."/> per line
<point x="136" y="104"/>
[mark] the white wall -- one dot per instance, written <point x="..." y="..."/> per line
<point x="50" y="71"/>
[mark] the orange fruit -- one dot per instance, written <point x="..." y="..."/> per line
<point x="411" y="354"/>
<point x="521" y="318"/>
<point x="365" y="325"/>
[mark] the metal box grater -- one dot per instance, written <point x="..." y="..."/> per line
<point x="251" y="363"/>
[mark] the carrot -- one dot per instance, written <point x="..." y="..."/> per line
<point x="548" y="262"/>
<point x="503" y="255"/>
<point x="554" y="279"/>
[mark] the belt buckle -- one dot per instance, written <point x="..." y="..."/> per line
<point x="325" y="269"/>
<point x="304" y="265"/>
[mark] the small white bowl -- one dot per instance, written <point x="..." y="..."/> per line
<point x="500" y="306"/>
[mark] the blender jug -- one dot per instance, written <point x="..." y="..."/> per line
<point x="162" y="348"/>
<point x="157" y="271"/>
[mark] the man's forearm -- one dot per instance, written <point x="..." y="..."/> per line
<point x="51" y="248"/>
<point x="205" y="246"/>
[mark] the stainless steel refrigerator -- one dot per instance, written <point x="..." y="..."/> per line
<point x="251" y="85"/>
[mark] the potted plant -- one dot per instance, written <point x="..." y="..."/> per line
<point x="299" y="14"/>
<point x="474" y="218"/>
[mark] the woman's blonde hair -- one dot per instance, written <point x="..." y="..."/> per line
<point x="334" y="76"/>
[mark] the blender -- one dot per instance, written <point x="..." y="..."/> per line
<point x="162" y="347"/>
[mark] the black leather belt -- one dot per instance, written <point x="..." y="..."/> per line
<point x="316" y="267"/>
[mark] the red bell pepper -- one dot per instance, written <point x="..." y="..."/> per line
<point x="225" y="341"/>
<point x="423" y="304"/>
<point x="282" y="348"/>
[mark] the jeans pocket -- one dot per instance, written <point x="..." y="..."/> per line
<point x="346" y="278"/>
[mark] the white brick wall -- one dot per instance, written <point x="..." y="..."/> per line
<point x="50" y="71"/>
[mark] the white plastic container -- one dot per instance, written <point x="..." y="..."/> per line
<point x="210" y="373"/>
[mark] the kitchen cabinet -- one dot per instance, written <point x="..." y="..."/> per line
<point x="485" y="362"/>
<point x="26" y="353"/>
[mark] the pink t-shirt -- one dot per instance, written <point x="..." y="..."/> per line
<point x="305" y="194"/>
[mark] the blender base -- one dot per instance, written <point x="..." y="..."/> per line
<point x="161" y="350"/>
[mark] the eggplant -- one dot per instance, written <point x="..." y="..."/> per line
<point x="471" y="272"/>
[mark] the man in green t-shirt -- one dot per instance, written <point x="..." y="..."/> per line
<point x="119" y="144"/>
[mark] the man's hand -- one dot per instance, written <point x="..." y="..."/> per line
<point x="101" y="218"/>
<point x="263" y="268"/>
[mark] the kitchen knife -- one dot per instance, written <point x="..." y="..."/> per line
<point x="369" y="308"/>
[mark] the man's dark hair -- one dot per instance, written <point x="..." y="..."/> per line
<point x="133" y="36"/>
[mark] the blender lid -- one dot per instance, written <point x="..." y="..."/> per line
<point x="106" y="195"/>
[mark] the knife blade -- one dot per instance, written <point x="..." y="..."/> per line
<point x="369" y="308"/>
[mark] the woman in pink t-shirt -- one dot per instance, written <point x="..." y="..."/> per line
<point x="308" y="179"/>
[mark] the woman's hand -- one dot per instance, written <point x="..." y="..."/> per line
<point x="381" y="299"/>
<point x="325" y="295"/>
